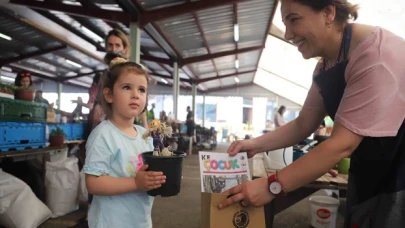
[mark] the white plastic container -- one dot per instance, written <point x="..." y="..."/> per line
<point x="323" y="211"/>
<point x="278" y="159"/>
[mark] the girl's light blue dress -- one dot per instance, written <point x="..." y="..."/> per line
<point x="110" y="152"/>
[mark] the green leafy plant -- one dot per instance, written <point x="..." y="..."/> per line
<point x="57" y="131"/>
<point x="5" y="88"/>
<point x="22" y="88"/>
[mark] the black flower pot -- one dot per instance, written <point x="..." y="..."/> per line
<point x="172" y="168"/>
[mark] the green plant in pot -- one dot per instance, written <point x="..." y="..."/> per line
<point x="57" y="137"/>
<point x="8" y="89"/>
<point x="26" y="94"/>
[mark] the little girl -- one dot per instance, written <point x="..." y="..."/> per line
<point x="114" y="168"/>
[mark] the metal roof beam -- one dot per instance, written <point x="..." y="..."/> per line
<point x="54" y="63"/>
<point x="197" y="21"/>
<point x="71" y="29"/>
<point x="225" y="76"/>
<point x="169" y="77"/>
<point x="107" y="15"/>
<point x="90" y="26"/>
<point x="79" y="75"/>
<point x="30" y="55"/>
<point x="202" y="58"/>
<point x="156" y="59"/>
<point x="126" y="18"/>
<point x="34" y="72"/>
<point x="72" y="58"/>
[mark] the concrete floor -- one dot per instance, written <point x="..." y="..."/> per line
<point x="183" y="211"/>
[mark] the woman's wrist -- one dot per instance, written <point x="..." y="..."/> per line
<point x="256" y="145"/>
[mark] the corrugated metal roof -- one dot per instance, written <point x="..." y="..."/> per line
<point x="183" y="32"/>
<point x="217" y="25"/>
<point x="253" y="18"/>
<point x="248" y="60"/>
<point x="246" y="78"/>
<point x="191" y="34"/>
<point x="25" y="38"/>
<point x="154" y="66"/>
<point x="212" y="84"/>
<point x="202" y="67"/>
<point x="79" y="57"/>
<point x="208" y="75"/>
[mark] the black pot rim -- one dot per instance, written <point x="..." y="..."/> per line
<point x="177" y="154"/>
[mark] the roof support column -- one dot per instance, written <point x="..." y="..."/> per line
<point x="135" y="40"/>
<point x="176" y="89"/>
<point x="60" y="86"/>
<point x="203" y="111"/>
<point x="194" y="107"/>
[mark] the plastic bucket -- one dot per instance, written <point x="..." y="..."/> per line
<point x="323" y="211"/>
<point x="172" y="168"/>
<point x="278" y="159"/>
<point x="344" y="165"/>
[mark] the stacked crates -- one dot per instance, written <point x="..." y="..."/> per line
<point x="22" y="125"/>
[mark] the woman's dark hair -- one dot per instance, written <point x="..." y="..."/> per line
<point x="112" y="75"/>
<point x="344" y="9"/>
<point x="20" y="76"/>
<point x="281" y="109"/>
<point x="110" y="56"/>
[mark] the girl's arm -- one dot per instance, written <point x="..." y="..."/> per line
<point x="108" y="186"/>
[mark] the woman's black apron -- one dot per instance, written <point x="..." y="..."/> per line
<point x="376" y="189"/>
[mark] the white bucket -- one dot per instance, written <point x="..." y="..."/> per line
<point x="323" y="211"/>
<point x="278" y="159"/>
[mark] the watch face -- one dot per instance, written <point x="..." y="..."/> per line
<point x="275" y="188"/>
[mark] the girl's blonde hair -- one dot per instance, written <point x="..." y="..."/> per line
<point x="116" y="67"/>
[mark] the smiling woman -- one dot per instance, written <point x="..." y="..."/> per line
<point x="359" y="77"/>
<point x="308" y="25"/>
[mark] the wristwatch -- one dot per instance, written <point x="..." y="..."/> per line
<point x="275" y="186"/>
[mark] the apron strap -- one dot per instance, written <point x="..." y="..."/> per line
<point x="344" y="45"/>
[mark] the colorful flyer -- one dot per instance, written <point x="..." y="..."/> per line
<point x="220" y="172"/>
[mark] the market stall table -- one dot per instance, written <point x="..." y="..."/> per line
<point x="281" y="203"/>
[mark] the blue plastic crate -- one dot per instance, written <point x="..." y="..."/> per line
<point x="77" y="131"/>
<point x="19" y="136"/>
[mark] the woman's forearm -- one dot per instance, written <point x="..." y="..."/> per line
<point x="313" y="165"/>
<point x="108" y="186"/>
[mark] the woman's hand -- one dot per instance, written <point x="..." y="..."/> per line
<point x="149" y="180"/>
<point x="243" y="146"/>
<point x="255" y="193"/>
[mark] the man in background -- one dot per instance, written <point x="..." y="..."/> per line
<point x="150" y="115"/>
